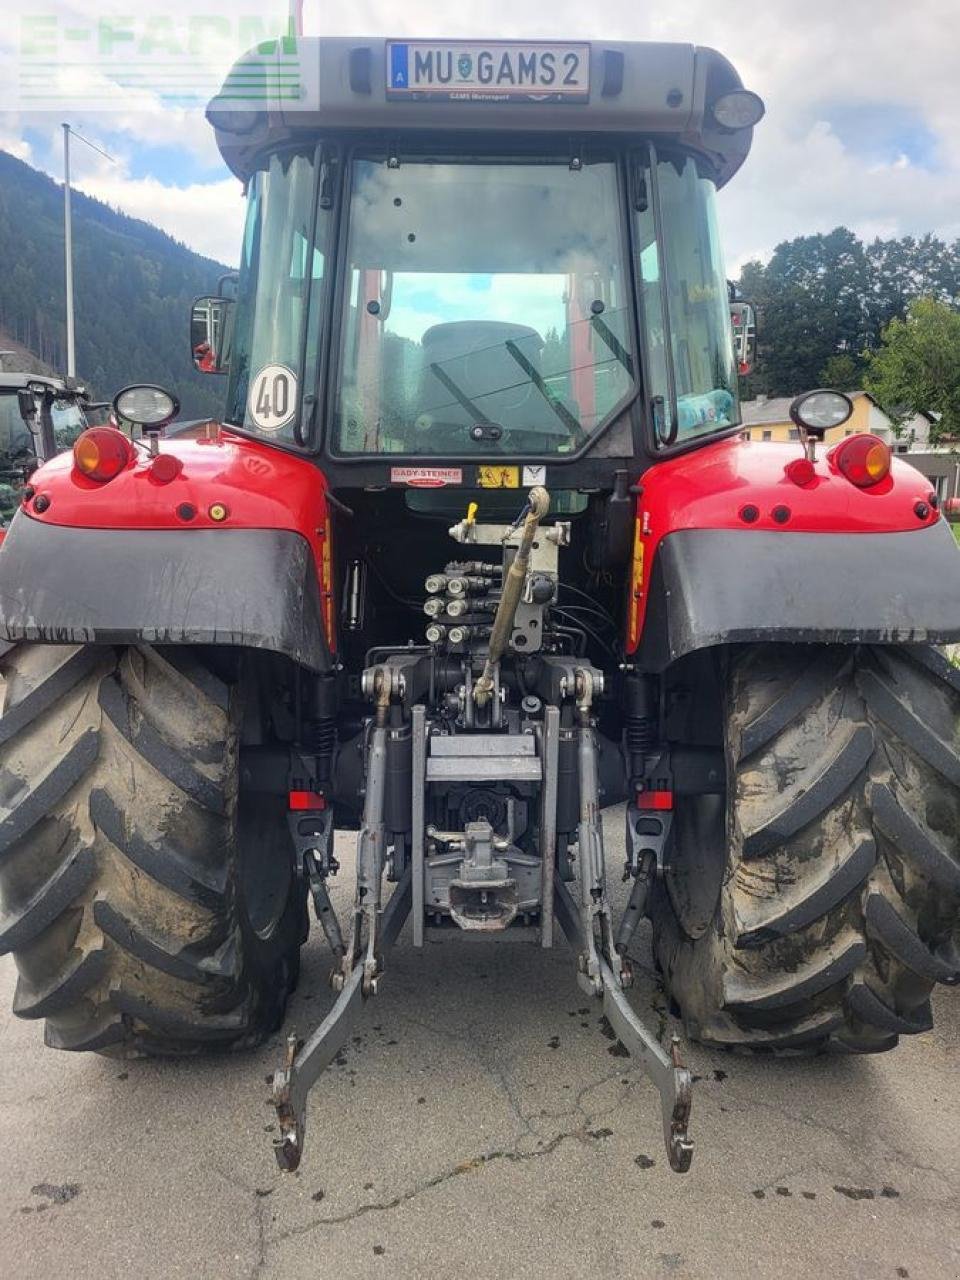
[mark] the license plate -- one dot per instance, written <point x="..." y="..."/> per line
<point x="497" y="71"/>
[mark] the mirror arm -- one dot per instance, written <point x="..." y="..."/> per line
<point x="209" y="324"/>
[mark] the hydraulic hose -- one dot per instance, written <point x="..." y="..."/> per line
<point x="538" y="504"/>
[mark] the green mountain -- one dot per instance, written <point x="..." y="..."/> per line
<point x="133" y="286"/>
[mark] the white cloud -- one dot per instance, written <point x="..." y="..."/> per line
<point x="10" y="137"/>
<point x="806" y="60"/>
<point x="206" y="216"/>
<point x="802" y="59"/>
<point x="800" y="183"/>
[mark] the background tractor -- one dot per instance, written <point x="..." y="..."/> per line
<point x="39" y="417"/>
<point x="477" y="550"/>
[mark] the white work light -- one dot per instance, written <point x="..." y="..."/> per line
<point x="741" y="109"/>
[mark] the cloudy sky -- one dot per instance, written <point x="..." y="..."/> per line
<point x="862" y="125"/>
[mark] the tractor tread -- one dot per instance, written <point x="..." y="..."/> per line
<point x="22" y="925"/>
<point x="887" y="926"/>
<point x="814" y="1030"/>
<point x="182" y="666"/>
<point x="43" y="696"/>
<point x="64" y="989"/>
<point x="212" y="1028"/>
<point x="840" y="903"/>
<point x="835" y="777"/>
<point x="190" y="966"/>
<point x="96" y="1030"/>
<point x="816" y="678"/>
<point x="744" y="994"/>
<point x="206" y="886"/>
<point x="35" y="802"/>
<point x="866" y="1005"/>
<point x="759" y="923"/>
<point x="900" y="828"/>
<point x="898" y="716"/>
<point x="123" y="896"/>
<point x="151" y="745"/>
<point x="936" y="662"/>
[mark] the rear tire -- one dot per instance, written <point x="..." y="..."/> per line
<point x="151" y="907"/>
<point x="837" y="905"/>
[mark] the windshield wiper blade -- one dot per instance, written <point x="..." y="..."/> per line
<point x="610" y="339"/>
<point x="569" y="420"/>
<point x="461" y="397"/>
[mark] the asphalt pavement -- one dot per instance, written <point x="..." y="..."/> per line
<point x="479" y="1124"/>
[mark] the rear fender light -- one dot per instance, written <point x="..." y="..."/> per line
<point x="102" y="453"/>
<point x="801" y="471"/>
<point x="304" y="801"/>
<point x="863" y="459"/>
<point x="165" y="467"/>
<point x="655" y="801"/>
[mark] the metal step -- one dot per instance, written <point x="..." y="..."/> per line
<point x="483" y="757"/>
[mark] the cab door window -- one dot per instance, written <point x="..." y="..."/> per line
<point x="691" y="367"/>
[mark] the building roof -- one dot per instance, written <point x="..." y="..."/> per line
<point x="15" y="381"/>
<point x="761" y="412"/>
<point x="757" y="412"/>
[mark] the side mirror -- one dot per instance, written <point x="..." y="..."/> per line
<point x="96" y="412"/>
<point x="211" y="331"/>
<point x="743" y="317"/>
<point x="27" y="405"/>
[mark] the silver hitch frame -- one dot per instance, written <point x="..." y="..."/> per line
<point x="666" y="1070"/>
<point x="484" y="868"/>
<point x="301" y="1068"/>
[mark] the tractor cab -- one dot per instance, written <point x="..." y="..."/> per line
<point x="40" y="416"/>
<point x="450" y="270"/>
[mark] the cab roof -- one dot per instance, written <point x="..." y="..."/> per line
<point x="297" y="87"/>
<point x="11" y="381"/>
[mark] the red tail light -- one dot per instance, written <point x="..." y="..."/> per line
<point x="102" y="453"/>
<point x="863" y="459"/>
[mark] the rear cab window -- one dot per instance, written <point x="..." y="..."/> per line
<point x="486" y="308"/>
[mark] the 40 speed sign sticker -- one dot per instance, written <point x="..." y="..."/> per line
<point x="272" y="399"/>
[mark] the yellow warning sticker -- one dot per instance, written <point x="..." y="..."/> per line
<point x="494" y="476"/>
<point x="638" y="565"/>
<point x="636" y="592"/>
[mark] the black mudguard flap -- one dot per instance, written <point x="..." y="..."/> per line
<point x="720" y="586"/>
<point x="249" y="587"/>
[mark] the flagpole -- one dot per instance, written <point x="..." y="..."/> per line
<point x="68" y="239"/>
<point x="68" y="252"/>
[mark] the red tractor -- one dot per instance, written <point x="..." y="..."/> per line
<point x="477" y="550"/>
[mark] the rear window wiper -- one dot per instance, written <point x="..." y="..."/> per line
<point x="610" y="339"/>
<point x="569" y="420"/>
<point x="461" y="397"/>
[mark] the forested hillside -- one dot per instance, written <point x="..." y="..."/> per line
<point x="133" y="286"/>
<point x="824" y="300"/>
